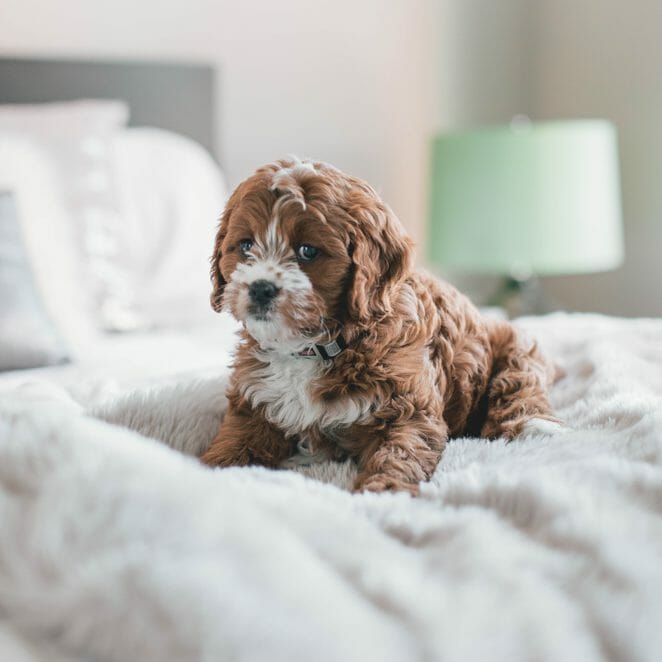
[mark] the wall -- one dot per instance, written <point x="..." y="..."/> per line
<point x="603" y="58"/>
<point x="486" y="69"/>
<point x="346" y="81"/>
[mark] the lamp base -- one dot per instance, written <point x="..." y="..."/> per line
<point x="521" y="296"/>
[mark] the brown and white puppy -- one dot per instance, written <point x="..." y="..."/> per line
<point x="346" y="349"/>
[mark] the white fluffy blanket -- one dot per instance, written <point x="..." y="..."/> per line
<point x="116" y="547"/>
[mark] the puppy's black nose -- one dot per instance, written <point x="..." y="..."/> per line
<point x="262" y="292"/>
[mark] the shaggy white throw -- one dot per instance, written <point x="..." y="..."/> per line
<point x="115" y="547"/>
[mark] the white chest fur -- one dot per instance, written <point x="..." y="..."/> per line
<point x="283" y="386"/>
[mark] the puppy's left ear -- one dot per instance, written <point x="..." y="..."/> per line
<point x="382" y="256"/>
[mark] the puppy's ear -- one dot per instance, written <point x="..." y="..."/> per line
<point x="382" y="256"/>
<point x="217" y="280"/>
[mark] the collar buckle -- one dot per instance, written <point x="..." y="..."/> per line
<point x="325" y="352"/>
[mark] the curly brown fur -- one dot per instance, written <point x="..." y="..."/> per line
<point x="421" y="364"/>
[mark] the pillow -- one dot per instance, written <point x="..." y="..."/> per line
<point x="49" y="238"/>
<point x="76" y="135"/>
<point x="172" y="194"/>
<point x="28" y="339"/>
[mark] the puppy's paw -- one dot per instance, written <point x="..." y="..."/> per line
<point x="542" y="427"/>
<point x="384" y="483"/>
<point x="223" y="455"/>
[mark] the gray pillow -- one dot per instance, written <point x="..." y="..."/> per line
<point x="28" y="338"/>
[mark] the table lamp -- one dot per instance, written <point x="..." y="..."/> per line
<point x="526" y="200"/>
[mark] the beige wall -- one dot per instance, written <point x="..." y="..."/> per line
<point x="604" y="58"/>
<point x="485" y="67"/>
<point x="346" y="81"/>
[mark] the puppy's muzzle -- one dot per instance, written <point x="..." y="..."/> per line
<point x="262" y="293"/>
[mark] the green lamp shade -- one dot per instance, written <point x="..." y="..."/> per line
<point x="540" y="199"/>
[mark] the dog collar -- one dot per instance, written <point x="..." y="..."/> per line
<point x="326" y="352"/>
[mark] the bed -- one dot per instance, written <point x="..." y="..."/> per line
<point x="116" y="544"/>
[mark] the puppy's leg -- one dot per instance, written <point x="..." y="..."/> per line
<point x="245" y="437"/>
<point x="518" y="388"/>
<point x="405" y="456"/>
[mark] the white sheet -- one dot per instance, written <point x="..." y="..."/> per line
<point x="114" y="547"/>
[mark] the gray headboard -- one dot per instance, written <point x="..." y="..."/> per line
<point x="178" y="97"/>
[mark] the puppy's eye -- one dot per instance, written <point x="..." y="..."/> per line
<point x="306" y="252"/>
<point x="245" y="245"/>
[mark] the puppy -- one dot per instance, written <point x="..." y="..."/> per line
<point x="346" y="348"/>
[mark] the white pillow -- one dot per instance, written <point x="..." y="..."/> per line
<point x="172" y="194"/>
<point x="28" y="338"/>
<point x="29" y="172"/>
<point x="77" y="137"/>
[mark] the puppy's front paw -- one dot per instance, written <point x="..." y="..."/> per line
<point x="220" y="455"/>
<point x="383" y="483"/>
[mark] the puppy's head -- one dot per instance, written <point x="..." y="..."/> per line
<point x="302" y="250"/>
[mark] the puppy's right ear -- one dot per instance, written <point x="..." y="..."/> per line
<point x="217" y="280"/>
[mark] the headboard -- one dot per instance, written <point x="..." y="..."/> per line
<point x="178" y="97"/>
